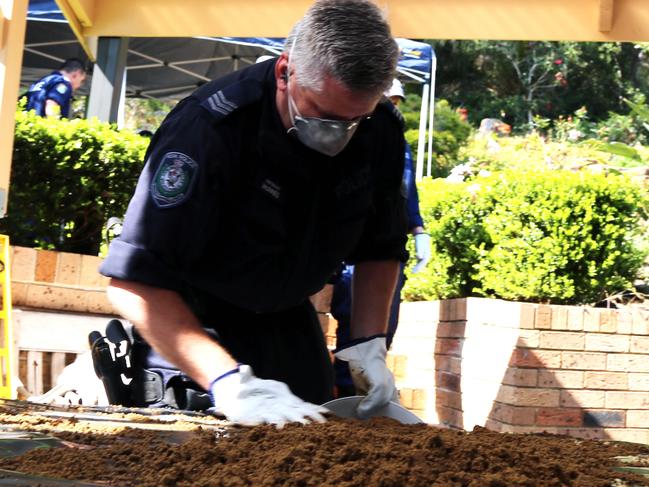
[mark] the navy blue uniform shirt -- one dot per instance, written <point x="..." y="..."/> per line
<point x="52" y="87"/>
<point x="230" y="206"/>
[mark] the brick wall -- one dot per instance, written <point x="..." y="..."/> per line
<point x="44" y="279"/>
<point x="520" y="367"/>
<point x="509" y="366"/>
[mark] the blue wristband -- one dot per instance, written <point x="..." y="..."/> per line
<point x="222" y="376"/>
<point x="357" y="341"/>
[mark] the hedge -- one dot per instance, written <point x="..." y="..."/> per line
<point x="547" y="236"/>
<point x="68" y="177"/>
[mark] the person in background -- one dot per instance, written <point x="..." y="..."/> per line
<point x="341" y="303"/>
<point x="51" y="96"/>
<point x="255" y="188"/>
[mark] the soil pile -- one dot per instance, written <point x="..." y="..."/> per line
<point x="378" y="452"/>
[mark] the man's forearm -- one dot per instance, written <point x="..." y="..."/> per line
<point x="373" y="289"/>
<point x="52" y="109"/>
<point x="169" y="326"/>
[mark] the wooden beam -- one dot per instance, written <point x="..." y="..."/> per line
<point x="14" y="15"/>
<point x="84" y="11"/>
<point x="76" y="26"/>
<point x="606" y="15"/>
<point x="551" y="20"/>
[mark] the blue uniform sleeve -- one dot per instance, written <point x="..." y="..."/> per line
<point x="412" y="201"/>
<point x="60" y="93"/>
<point x="174" y="206"/>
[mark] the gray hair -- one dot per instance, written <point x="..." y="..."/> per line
<point x="347" y="39"/>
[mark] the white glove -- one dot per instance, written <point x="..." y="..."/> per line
<point x="422" y="251"/>
<point x="248" y="400"/>
<point x="370" y="374"/>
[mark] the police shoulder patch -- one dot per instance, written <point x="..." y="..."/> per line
<point x="61" y="88"/>
<point x="174" y="180"/>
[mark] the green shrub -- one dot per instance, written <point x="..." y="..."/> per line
<point x="548" y="236"/>
<point x="449" y="135"/>
<point x="68" y="177"/>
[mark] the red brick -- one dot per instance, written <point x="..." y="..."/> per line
<point x="558" y="417"/>
<point x="23" y="264"/>
<point x="450" y="417"/>
<point x="583" y="360"/>
<point x="448" y="364"/>
<point x="561" y="379"/>
<point x="494" y="425"/>
<point x="449" y="346"/>
<point x="521" y="396"/>
<point x="583" y="399"/>
<point x="535" y="358"/>
<point x="528" y="338"/>
<point x="448" y="398"/>
<point x="520" y="377"/>
<point x="19" y="293"/>
<point x="605" y="380"/>
<point x="46" y="262"/>
<point x="561" y="340"/>
<point x="543" y="317"/>
<point x="454" y="329"/>
<point x="517" y="415"/>
<point x="607" y="343"/>
<point x="448" y="381"/>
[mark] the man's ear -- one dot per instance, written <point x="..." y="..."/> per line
<point x="281" y="72"/>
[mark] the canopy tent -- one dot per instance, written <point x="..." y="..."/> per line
<point x="174" y="67"/>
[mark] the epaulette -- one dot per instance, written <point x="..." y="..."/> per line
<point x="226" y="100"/>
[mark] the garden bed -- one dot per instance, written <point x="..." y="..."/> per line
<point x="339" y="452"/>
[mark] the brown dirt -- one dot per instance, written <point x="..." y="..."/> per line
<point x="344" y="453"/>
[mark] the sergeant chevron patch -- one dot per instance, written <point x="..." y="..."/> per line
<point x="219" y="104"/>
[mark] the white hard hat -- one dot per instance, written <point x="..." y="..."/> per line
<point x="395" y="90"/>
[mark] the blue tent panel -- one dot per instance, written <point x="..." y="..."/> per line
<point x="44" y="10"/>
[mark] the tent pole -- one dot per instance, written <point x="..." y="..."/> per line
<point x="421" y="148"/>
<point x="107" y="79"/>
<point x="433" y="69"/>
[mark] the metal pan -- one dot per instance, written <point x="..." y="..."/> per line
<point x="345" y="407"/>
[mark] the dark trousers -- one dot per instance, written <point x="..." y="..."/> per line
<point x="287" y="346"/>
<point x="341" y="310"/>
